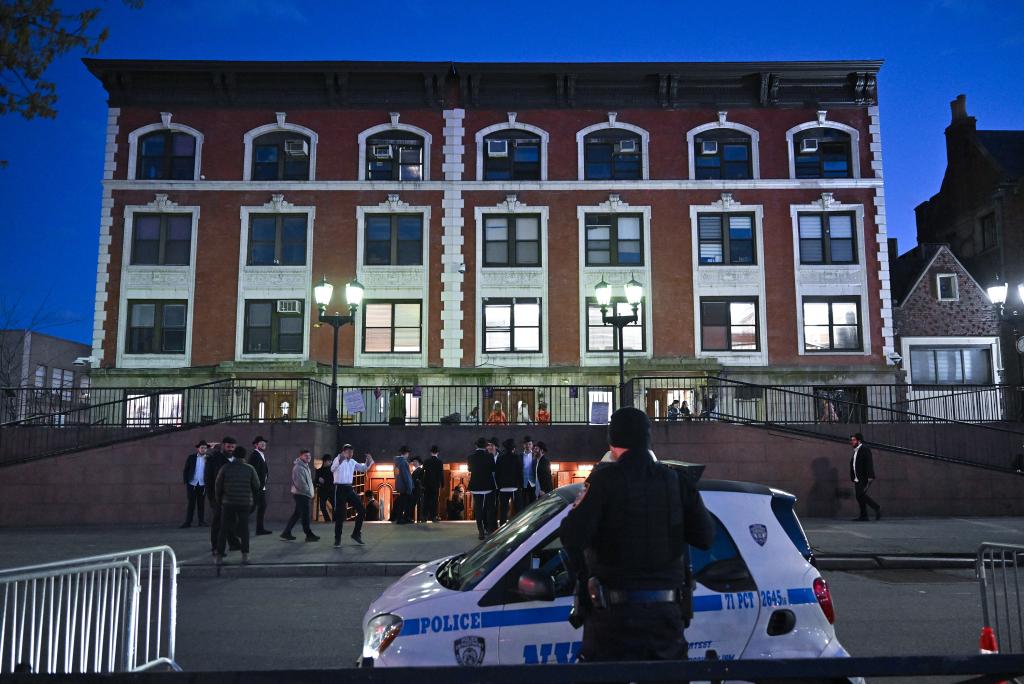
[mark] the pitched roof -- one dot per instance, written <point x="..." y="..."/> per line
<point x="906" y="270"/>
<point x="1007" y="148"/>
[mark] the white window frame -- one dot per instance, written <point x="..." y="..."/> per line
<point x="938" y="287"/>
<point x="645" y="139"/>
<point x="823" y="122"/>
<point x="755" y="157"/>
<point x="512" y="125"/>
<point x="249" y="140"/>
<point x="990" y="341"/>
<point x="383" y="128"/>
<point x="138" y="133"/>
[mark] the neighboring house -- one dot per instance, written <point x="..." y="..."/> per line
<point x="947" y="332"/>
<point x="44" y="363"/>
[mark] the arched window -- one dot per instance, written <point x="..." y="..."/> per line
<point x="512" y="154"/>
<point x="395" y="155"/>
<point x="823" y="152"/>
<point x="613" y="154"/>
<point x="166" y="154"/>
<point x="281" y="155"/>
<point x="723" y="154"/>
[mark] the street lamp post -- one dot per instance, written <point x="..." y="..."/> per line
<point x="354" y="296"/>
<point x="634" y="293"/>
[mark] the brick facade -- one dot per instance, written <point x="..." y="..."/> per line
<point x="920" y="313"/>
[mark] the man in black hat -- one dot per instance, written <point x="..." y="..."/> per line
<point x="223" y="453"/>
<point x="481" y="485"/>
<point x="636" y="593"/>
<point x="258" y="460"/>
<point x="194" y="476"/>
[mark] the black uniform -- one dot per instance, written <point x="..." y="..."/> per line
<point x="634" y="522"/>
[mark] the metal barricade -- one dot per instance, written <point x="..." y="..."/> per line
<point x="156" y="578"/>
<point x="999" y="568"/>
<point x="80" y="619"/>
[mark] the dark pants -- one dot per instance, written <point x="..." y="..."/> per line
<point x="504" y="506"/>
<point x="261" y="510"/>
<point x="196" y="501"/>
<point x="301" y="513"/>
<point x="863" y="500"/>
<point x="430" y="503"/>
<point x="234" y="521"/>
<point x="525" y="497"/>
<point x="344" y="494"/>
<point x="215" y="525"/>
<point x="634" y="631"/>
<point x="323" y="496"/>
<point x="482" y="504"/>
<point x="403" y="508"/>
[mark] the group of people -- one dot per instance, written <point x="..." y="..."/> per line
<point x="497" y="416"/>
<point x="681" y="411"/>
<point x="502" y="478"/>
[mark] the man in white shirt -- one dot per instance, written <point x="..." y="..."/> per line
<point x="344" y="469"/>
<point x="195" y="483"/>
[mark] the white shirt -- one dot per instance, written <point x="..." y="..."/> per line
<point x="529" y="469"/>
<point x="855" y="463"/>
<point x="345" y="469"/>
<point x="197" y="476"/>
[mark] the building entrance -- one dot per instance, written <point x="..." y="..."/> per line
<point x="267" y="405"/>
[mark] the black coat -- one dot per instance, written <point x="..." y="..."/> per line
<point x="543" y="469"/>
<point x="865" y="465"/>
<point x="481" y="471"/>
<point x="260" y="465"/>
<point x="190" y="470"/>
<point x="214" y="462"/>
<point x="433" y="473"/>
<point x="509" y="470"/>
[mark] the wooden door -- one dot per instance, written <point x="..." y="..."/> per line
<point x="267" y="405"/>
<point x="519" y="404"/>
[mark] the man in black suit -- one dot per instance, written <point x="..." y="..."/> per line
<point x="194" y="477"/>
<point x="542" y="466"/>
<point x="481" y="486"/>
<point x="862" y="473"/>
<point x="433" y="478"/>
<point x="258" y="460"/>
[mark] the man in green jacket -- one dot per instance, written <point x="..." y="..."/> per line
<point x="237" y="486"/>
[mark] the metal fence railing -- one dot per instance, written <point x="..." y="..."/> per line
<point x="1000" y="572"/>
<point x="79" y="618"/>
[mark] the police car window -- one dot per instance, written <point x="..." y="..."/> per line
<point x="484" y="558"/>
<point x="548" y="557"/>
<point x="721" y="568"/>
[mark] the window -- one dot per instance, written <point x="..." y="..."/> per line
<point x="394" y="240"/>
<point x="39" y="379"/>
<point x="611" y="154"/>
<point x="144" y="410"/>
<point x="603" y="338"/>
<point x="946" y="287"/>
<point x="511" y="155"/>
<point x="614" y="240"/>
<point x="822" y="153"/>
<point x="728" y="324"/>
<point x="392" y="327"/>
<point x="512" y="325"/>
<point x="62" y="381"/>
<point x="394" y="156"/>
<point x="832" y="324"/>
<point x="282" y="155"/>
<point x="827" y="239"/>
<point x="85" y="384"/>
<point x="723" y="154"/>
<point x="161" y="239"/>
<point x="277" y="240"/>
<point x="951" y="365"/>
<point x="166" y="155"/>
<point x="274" y="326"/>
<point x="986" y="233"/>
<point x="726" y="239"/>
<point x="156" y="327"/>
<point x="511" y="240"/>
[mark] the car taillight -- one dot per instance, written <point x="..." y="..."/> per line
<point x="824" y="597"/>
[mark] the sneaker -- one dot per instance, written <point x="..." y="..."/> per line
<point x="312" y="537"/>
<point x="337" y="543"/>
<point x="358" y="540"/>
<point x="260" y="533"/>
<point x="287" y="537"/>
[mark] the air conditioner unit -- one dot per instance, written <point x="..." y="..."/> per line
<point x="808" y="145"/>
<point x="709" y="147"/>
<point x="497" y="148"/>
<point x="381" y="151"/>
<point x="296" y="148"/>
<point x="292" y="306"/>
<point x="626" y="147"/>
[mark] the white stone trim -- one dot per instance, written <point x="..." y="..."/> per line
<point x="453" y="262"/>
<point x="106" y="221"/>
<point x="274" y="282"/>
<point x="886" y="303"/>
<point x="645" y="139"/>
<point x="823" y="122"/>
<point x="723" y="280"/>
<point x="393" y="282"/>
<point x="755" y="137"/>
<point x="512" y="124"/>
<point x="156" y="283"/>
<point x="512" y="282"/>
<point x="832" y="280"/>
<point x="281" y="125"/>
<point x="616" y="276"/>
<point x="133" y="147"/>
<point x="395" y="126"/>
<point x="992" y="341"/>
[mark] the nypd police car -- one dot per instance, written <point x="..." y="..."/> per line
<point x="758" y="594"/>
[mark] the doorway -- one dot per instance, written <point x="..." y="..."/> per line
<point x="658" y="401"/>
<point x="267" y="405"/>
<point x="518" y="404"/>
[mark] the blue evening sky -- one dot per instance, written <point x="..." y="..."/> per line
<point x="933" y="50"/>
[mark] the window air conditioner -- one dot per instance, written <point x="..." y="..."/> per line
<point x="709" y="147"/>
<point x="296" y="148"/>
<point x="292" y="306"/>
<point x="808" y="145"/>
<point x="381" y="151"/>
<point x="497" y="148"/>
<point x="626" y="147"/>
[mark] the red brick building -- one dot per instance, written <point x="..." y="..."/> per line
<point x="479" y="205"/>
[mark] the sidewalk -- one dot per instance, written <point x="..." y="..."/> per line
<point x="391" y="550"/>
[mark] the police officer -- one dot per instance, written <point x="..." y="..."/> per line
<point x="627" y="538"/>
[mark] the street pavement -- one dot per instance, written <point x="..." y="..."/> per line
<point x="390" y="550"/>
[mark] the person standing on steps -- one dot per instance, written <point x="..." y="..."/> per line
<point x="862" y="474"/>
<point x="344" y="469"/>
<point x="195" y="483"/>
<point x="302" y="492"/>
<point x="258" y="460"/>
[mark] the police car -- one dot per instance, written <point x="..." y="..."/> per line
<point x="758" y="594"/>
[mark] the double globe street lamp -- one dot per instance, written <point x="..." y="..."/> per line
<point x="634" y="294"/>
<point x="354" y="297"/>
